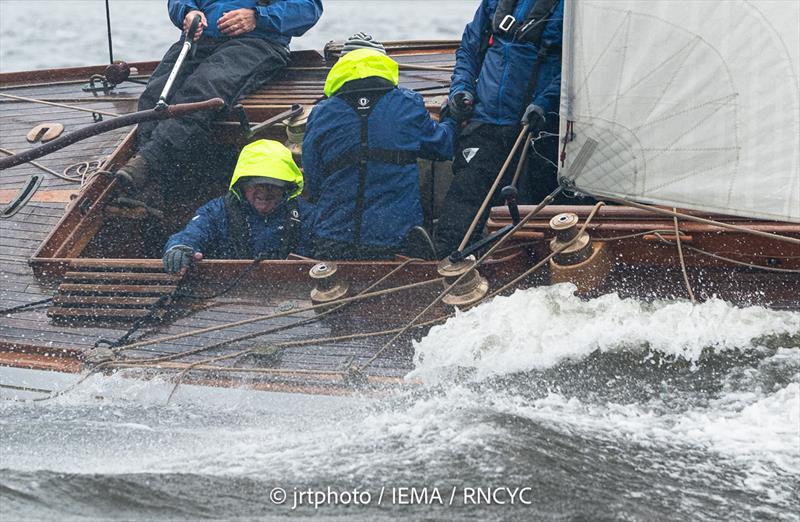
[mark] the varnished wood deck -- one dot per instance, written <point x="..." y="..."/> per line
<point x="22" y="234"/>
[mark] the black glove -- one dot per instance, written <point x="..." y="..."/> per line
<point x="534" y="117"/>
<point x="177" y="257"/>
<point x="460" y="106"/>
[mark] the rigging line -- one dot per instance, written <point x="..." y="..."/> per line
<point x="680" y="257"/>
<point x="20" y="308"/>
<point x="41" y="167"/>
<point x="62" y="105"/>
<point x="541" y="263"/>
<point x="279" y="314"/>
<point x="460" y="278"/>
<point x="720" y="224"/>
<point x="730" y="260"/>
<point x="523" y="134"/>
<point x="543" y="135"/>
<point x="108" y="28"/>
<point x="268" y="331"/>
<point x="304" y="342"/>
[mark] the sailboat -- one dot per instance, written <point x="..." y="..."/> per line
<point x="682" y="119"/>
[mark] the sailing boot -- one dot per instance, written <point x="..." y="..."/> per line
<point x="134" y="174"/>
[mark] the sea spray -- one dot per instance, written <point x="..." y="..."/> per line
<point x="539" y="327"/>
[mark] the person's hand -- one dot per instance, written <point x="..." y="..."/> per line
<point x="177" y="258"/>
<point x="534" y="117"/>
<point x="187" y="22"/>
<point x="239" y="21"/>
<point x="461" y="105"/>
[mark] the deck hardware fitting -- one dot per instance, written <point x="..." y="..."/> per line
<point x="470" y="289"/>
<point x="44" y="132"/>
<point x="23" y="196"/>
<point x="98" y="355"/>
<point x="327" y="287"/>
<point x="576" y="259"/>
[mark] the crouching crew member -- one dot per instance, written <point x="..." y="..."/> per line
<point x="259" y="217"/>
<point x="507" y="73"/>
<point x="360" y="156"/>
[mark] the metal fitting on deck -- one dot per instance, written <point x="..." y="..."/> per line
<point x="470" y="289"/>
<point x="327" y="288"/>
<point x="98" y="355"/>
<point x="295" y="132"/>
<point x="582" y="263"/>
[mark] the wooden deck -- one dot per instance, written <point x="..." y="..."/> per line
<point x="30" y="333"/>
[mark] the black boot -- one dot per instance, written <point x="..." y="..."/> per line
<point x="134" y="174"/>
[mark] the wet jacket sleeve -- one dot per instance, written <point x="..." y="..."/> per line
<point x="468" y="55"/>
<point x="436" y="139"/>
<point x="289" y="17"/>
<point x="548" y="97"/>
<point x="178" y="9"/>
<point x="203" y="229"/>
<point x="312" y="162"/>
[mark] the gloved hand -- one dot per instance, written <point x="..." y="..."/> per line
<point x="177" y="257"/>
<point x="534" y="117"/>
<point x="461" y="105"/>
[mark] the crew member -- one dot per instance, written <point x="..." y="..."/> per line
<point x="240" y="44"/>
<point x="360" y="156"/>
<point x="507" y="73"/>
<point x="259" y="217"/>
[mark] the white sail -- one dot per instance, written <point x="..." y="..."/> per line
<point x="686" y="103"/>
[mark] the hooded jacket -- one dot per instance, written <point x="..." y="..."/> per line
<point x="499" y="80"/>
<point x="219" y="227"/>
<point x="208" y="231"/>
<point x="276" y="20"/>
<point x="377" y="204"/>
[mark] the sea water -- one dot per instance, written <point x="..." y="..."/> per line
<point x="39" y="34"/>
<point x="536" y="406"/>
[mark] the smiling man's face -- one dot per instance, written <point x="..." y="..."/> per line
<point x="264" y="198"/>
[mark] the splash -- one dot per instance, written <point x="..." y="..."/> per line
<point x="541" y="327"/>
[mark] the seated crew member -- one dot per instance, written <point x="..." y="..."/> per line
<point x="507" y="73"/>
<point x="240" y="44"/>
<point x="360" y="156"/>
<point x="258" y="217"/>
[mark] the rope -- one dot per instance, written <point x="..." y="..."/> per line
<point x="20" y="308"/>
<point x="550" y="256"/>
<point x="54" y="104"/>
<point x="680" y="257"/>
<point x="276" y="315"/>
<point x="274" y="329"/>
<point x="735" y="261"/>
<point x="297" y="323"/>
<point x="522" y="136"/>
<point x="151" y="310"/>
<point x="37" y="165"/>
<point x="489" y="252"/>
<point x="720" y="224"/>
<point x="84" y="171"/>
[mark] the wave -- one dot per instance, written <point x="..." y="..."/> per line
<point x="541" y="327"/>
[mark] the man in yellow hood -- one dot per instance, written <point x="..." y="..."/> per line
<point x="360" y="156"/>
<point x="259" y="217"/>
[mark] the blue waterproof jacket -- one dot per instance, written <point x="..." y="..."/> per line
<point x="500" y="82"/>
<point x="398" y="121"/>
<point x="208" y="231"/>
<point x="277" y="22"/>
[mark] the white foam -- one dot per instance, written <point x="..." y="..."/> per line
<point x="540" y="327"/>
